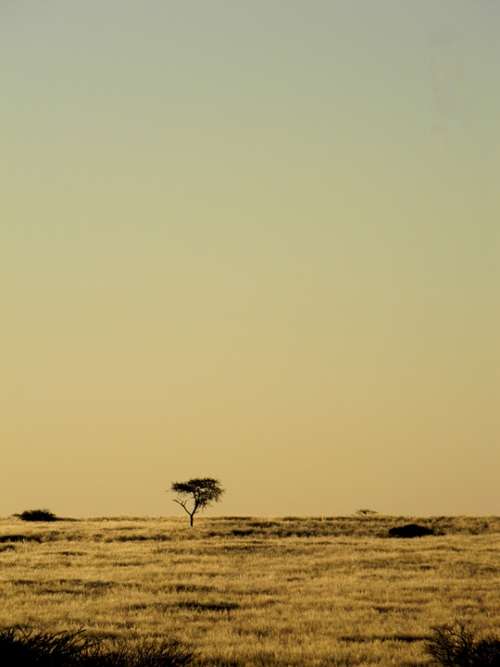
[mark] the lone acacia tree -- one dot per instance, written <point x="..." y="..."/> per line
<point x="196" y="494"/>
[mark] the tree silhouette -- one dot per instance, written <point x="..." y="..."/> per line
<point x="366" y="512"/>
<point x="196" y="494"/>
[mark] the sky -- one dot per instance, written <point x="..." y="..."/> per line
<point x="257" y="241"/>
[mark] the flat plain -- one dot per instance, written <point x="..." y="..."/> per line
<point x="245" y="591"/>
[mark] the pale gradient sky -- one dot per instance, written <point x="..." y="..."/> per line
<point x="252" y="240"/>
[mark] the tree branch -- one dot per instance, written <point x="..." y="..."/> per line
<point x="183" y="505"/>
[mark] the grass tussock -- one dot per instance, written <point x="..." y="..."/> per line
<point x="16" y="537"/>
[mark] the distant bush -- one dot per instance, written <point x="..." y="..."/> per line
<point x="456" y="645"/>
<point x="37" y="515"/>
<point x="410" y="530"/>
<point x="25" y="646"/>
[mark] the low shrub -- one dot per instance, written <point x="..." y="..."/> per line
<point x="456" y="645"/>
<point x="411" y="530"/>
<point x="24" y="646"/>
<point x="28" y="647"/>
<point x="37" y="515"/>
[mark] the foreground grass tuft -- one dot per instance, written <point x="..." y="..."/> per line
<point x="25" y="646"/>
<point x="456" y="645"/>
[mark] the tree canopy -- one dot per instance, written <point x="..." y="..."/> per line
<point x="196" y="494"/>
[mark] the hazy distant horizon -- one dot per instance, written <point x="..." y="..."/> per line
<point x="211" y="514"/>
<point x="252" y="242"/>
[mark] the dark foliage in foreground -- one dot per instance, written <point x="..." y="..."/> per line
<point x="28" y="647"/>
<point x="37" y="515"/>
<point x="455" y="645"/>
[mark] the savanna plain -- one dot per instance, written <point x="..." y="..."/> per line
<point x="244" y="591"/>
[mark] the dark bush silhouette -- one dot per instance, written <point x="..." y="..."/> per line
<point x="28" y="647"/>
<point x="456" y="645"/>
<point x="22" y="646"/>
<point x="37" y="515"/>
<point x="410" y="530"/>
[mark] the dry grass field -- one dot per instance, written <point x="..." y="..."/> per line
<point x="253" y="591"/>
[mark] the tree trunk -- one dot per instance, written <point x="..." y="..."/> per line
<point x="191" y="519"/>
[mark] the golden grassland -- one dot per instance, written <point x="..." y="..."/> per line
<point x="253" y="591"/>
